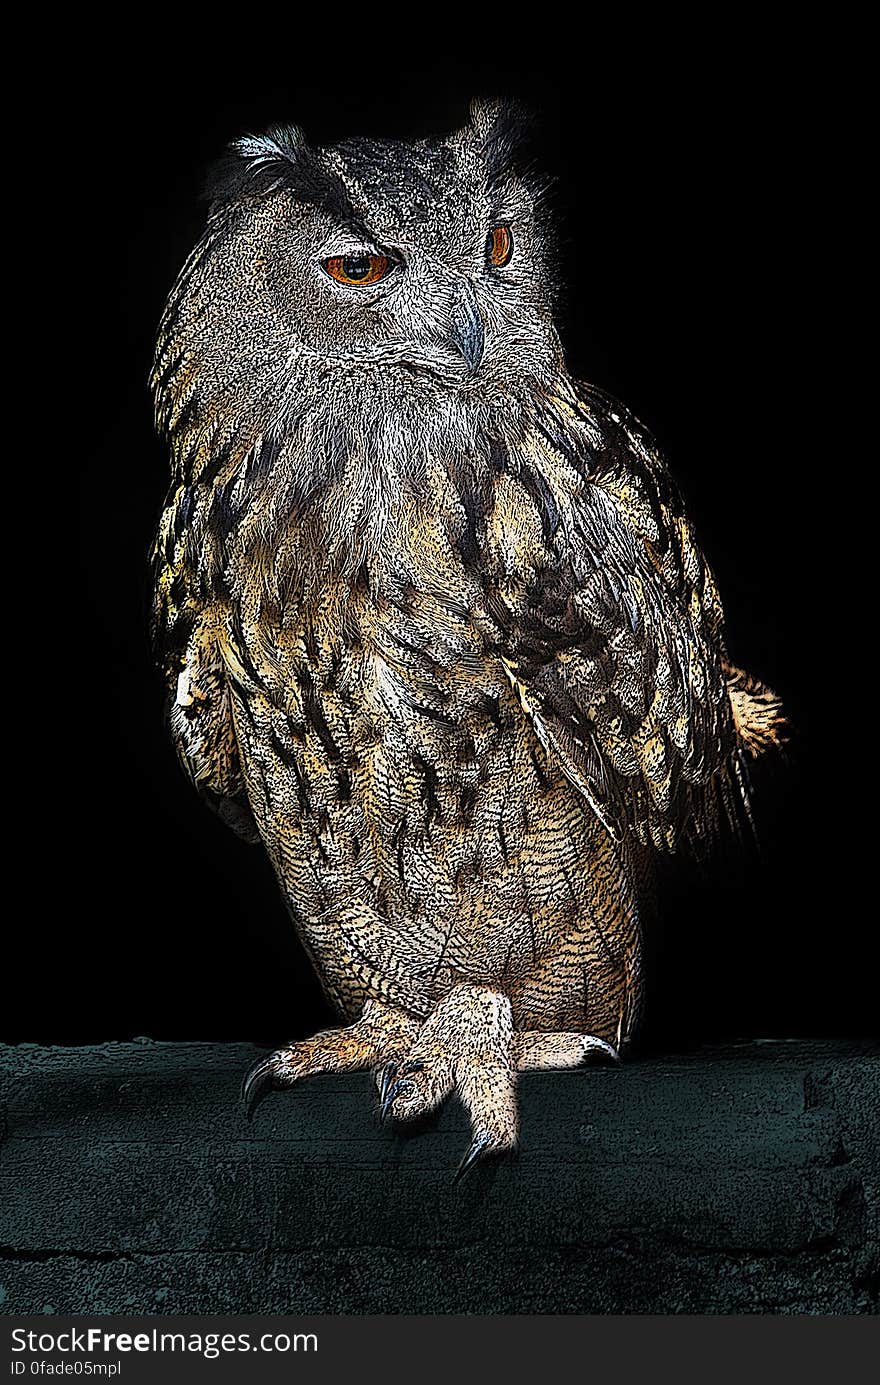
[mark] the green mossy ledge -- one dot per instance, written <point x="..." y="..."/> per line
<point x="735" y="1180"/>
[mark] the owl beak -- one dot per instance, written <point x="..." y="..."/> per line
<point x="468" y="335"/>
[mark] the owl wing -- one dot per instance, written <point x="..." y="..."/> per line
<point x="188" y="636"/>
<point x="611" y="626"/>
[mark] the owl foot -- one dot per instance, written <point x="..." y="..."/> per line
<point x="464" y="1046"/>
<point x="380" y="1033"/>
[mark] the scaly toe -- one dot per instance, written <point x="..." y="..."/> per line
<point x="403" y="1100"/>
<point x="418" y="1085"/>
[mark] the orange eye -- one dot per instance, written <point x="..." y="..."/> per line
<point x="357" y="269"/>
<point x="499" y="245"/>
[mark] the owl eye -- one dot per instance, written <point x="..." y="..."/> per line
<point x="357" y="269"/>
<point x="499" y="245"/>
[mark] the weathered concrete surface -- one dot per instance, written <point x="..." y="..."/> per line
<point x="745" y="1179"/>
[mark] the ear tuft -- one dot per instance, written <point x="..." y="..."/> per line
<point x="503" y="130"/>
<point x="485" y="114"/>
<point x="279" y="142"/>
<point x="256" y="165"/>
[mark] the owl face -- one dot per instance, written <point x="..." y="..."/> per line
<point x="371" y="269"/>
<point x="440" y="269"/>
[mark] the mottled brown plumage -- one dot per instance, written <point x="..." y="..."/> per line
<point x="435" y="625"/>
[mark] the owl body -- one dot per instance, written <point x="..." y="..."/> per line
<point x="435" y="625"/>
<point x="419" y="829"/>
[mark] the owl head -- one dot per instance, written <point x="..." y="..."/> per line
<point x="374" y="274"/>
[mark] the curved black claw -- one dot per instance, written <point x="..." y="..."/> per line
<point x="481" y="1145"/>
<point x="257" y="1084"/>
<point x="401" y="1087"/>
<point x="612" y="1052"/>
<point x="384" y="1076"/>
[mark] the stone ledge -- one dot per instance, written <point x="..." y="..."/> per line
<point x="738" y="1179"/>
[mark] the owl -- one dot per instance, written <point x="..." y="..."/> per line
<point x="435" y="625"/>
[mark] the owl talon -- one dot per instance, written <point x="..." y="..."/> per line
<point x="600" y="1045"/>
<point x="481" y="1147"/>
<point x="537" y="1049"/>
<point x="383" y="1078"/>
<point x="258" y="1082"/>
<point x="402" y="1090"/>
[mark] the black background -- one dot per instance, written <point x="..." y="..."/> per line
<point x="693" y="206"/>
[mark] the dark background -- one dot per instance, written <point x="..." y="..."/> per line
<point x="693" y="206"/>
